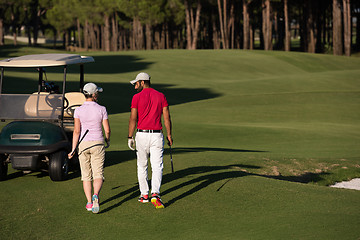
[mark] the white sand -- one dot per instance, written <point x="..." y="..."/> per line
<point x="352" y="184"/>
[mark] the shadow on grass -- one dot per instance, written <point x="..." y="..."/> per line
<point x="206" y="149"/>
<point x="117" y="95"/>
<point x="112" y="158"/>
<point x="231" y="172"/>
<point x="207" y="176"/>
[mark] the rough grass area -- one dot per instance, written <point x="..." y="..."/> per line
<point x="258" y="136"/>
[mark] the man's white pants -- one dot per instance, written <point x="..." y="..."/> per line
<point x="149" y="144"/>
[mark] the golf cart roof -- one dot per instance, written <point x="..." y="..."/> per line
<point x="45" y="60"/>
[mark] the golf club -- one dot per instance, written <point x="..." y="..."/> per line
<point x="172" y="165"/>
<point x="77" y="145"/>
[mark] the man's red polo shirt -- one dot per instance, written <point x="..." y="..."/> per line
<point x="149" y="104"/>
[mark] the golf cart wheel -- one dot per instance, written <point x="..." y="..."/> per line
<point x="3" y="168"/>
<point x="58" y="166"/>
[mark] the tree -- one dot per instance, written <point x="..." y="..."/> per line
<point x="267" y="24"/>
<point x="61" y="17"/>
<point x="113" y="25"/>
<point x="347" y="27"/>
<point x="246" y="28"/>
<point x="3" y="9"/>
<point x="192" y="25"/>
<point x="226" y="22"/>
<point x="287" y="28"/>
<point x="337" y="35"/>
<point x="38" y="11"/>
<point x="310" y="27"/>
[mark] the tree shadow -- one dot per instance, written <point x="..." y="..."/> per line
<point x="112" y="64"/>
<point x="116" y="96"/>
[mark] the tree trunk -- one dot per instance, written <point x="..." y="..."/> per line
<point x="36" y="26"/>
<point x="55" y="38"/>
<point x="148" y="36"/>
<point x="267" y="25"/>
<point x="287" y="29"/>
<point x="195" y="30"/>
<point x="1" y="32"/>
<point x="216" y="41"/>
<point x="347" y="27"/>
<point x="79" y="32"/>
<point x="114" y="35"/>
<point x="167" y="36"/>
<point x="251" y="47"/>
<point x="86" y="35"/>
<point x="120" y="40"/>
<point x="188" y="25"/>
<point x="192" y="24"/>
<point x="246" y="27"/>
<point x="230" y="26"/>
<point x="358" y="31"/>
<point x="92" y="36"/>
<point x="226" y="32"/>
<point x="320" y="27"/>
<point x="97" y="37"/>
<point x="66" y="36"/>
<point x="163" y="37"/>
<point x="27" y="26"/>
<point x="223" y="23"/>
<point x="310" y="27"/>
<point x="14" y="28"/>
<point x="140" y="36"/>
<point x="106" y="30"/>
<point x="337" y="36"/>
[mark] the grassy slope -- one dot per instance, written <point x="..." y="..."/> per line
<point x="249" y="126"/>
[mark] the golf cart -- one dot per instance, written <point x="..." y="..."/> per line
<point x="39" y="133"/>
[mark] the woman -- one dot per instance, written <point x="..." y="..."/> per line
<point x="91" y="116"/>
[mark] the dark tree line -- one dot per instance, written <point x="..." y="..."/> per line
<point x="116" y="25"/>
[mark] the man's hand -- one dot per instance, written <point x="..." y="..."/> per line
<point x="170" y="140"/>
<point x="131" y="144"/>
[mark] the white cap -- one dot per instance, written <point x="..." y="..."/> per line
<point x="91" y="88"/>
<point x="141" y="76"/>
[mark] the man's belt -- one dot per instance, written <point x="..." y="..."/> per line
<point x="149" y="131"/>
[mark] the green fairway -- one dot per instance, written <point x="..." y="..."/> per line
<point x="258" y="137"/>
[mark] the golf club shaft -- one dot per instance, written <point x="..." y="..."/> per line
<point x="77" y="145"/>
<point x="172" y="165"/>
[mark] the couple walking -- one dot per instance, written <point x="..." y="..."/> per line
<point x="147" y="107"/>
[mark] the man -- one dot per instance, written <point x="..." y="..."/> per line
<point x="147" y="107"/>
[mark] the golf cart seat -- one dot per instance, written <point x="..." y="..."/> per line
<point x="43" y="105"/>
<point x="76" y="99"/>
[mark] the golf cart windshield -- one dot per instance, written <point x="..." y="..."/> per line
<point x="30" y="106"/>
